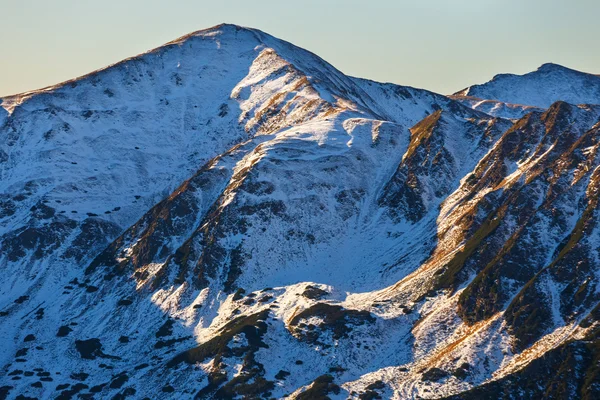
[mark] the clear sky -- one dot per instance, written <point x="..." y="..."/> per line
<point x="441" y="45"/>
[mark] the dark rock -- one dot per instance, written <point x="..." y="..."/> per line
<point x="119" y="381"/>
<point x="63" y="331"/>
<point x="91" y="289"/>
<point x="166" y="329"/>
<point x="168" y="389"/>
<point x="281" y="375"/>
<point x="124" y="302"/>
<point x="314" y="293"/>
<point x="79" y="376"/>
<point x="434" y="375"/>
<point x="320" y="389"/>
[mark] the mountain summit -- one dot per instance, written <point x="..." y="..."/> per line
<point x="230" y="216"/>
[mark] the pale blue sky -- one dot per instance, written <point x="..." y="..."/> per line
<point x="441" y="45"/>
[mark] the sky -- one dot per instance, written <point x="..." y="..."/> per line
<point x="440" y="45"/>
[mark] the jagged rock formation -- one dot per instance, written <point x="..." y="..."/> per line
<point x="229" y="216"/>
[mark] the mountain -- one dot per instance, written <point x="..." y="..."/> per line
<point x="230" y="216"/>
<point x="540" y="88"/>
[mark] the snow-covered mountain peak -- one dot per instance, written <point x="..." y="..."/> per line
<point x="552" y="67"/>
<point x="540" y="88"/>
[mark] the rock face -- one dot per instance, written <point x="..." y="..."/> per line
<point x="229" y="216"/>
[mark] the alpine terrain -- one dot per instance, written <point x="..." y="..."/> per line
<point x="229" y="216"/>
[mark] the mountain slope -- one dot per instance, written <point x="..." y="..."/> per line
<point x="496" y="108"/>
<point x="251" y="223"/>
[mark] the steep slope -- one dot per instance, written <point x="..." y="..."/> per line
<point x="493" y="280"/>
<point x="569" y="371"/>
<point x="274" y="227"/>
<point x="540" y="88"/>
<point x="280" y="229"/>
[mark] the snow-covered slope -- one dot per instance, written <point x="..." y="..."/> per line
<point x="229" y="216"/>
<point x="540" y="88"/>
<point x="496" y="108"/>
